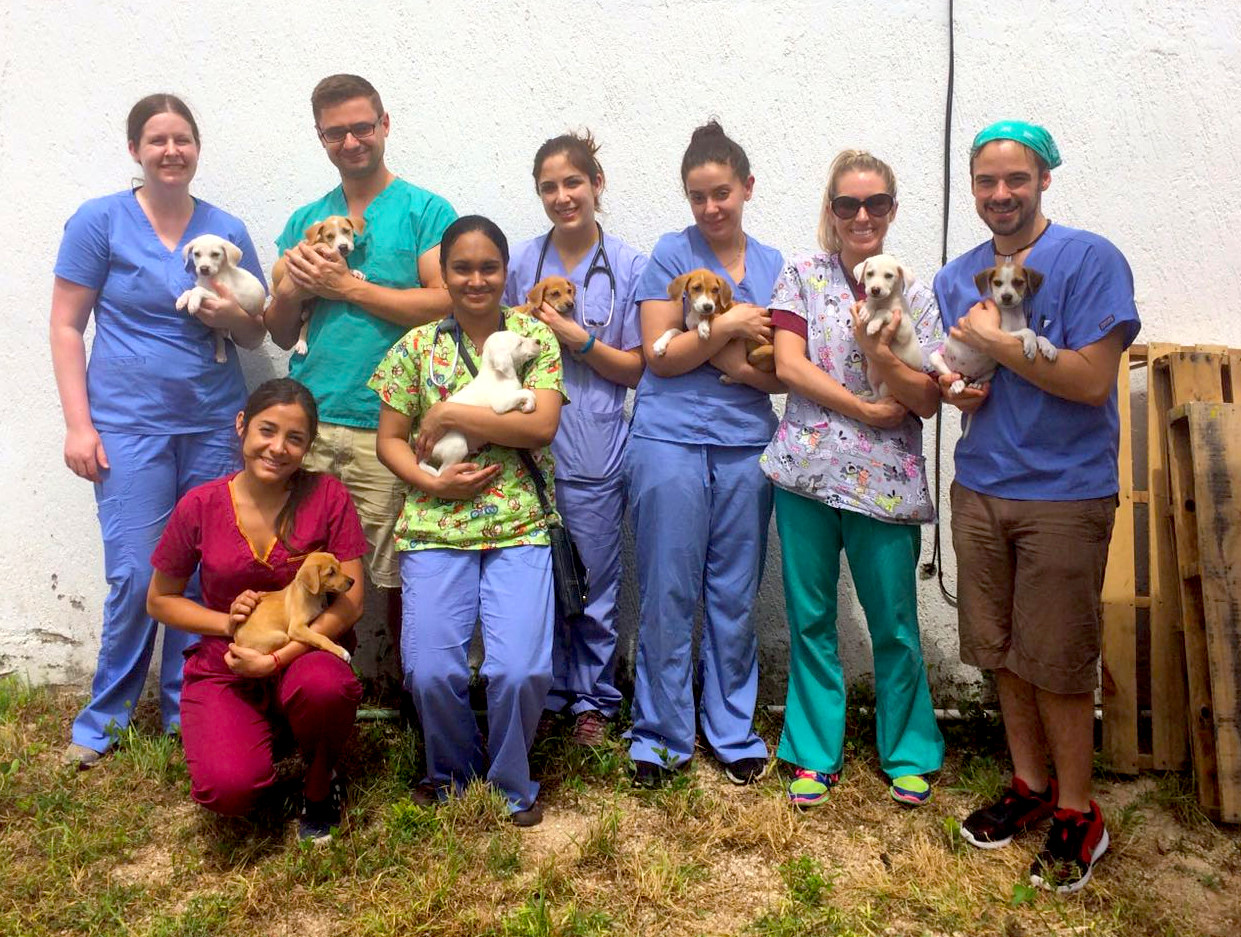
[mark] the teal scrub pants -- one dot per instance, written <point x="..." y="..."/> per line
<point x="883" y="558"/>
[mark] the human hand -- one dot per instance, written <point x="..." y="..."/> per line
<point x="731" y="359"/>
<point x="318" y="271"/>
<point x="877" y="347"/>
<point x="980" y="327"/>
<point x="242" y="608"/>
<point x="221" y="311"/>
<point x="84" y="453"/>
<point x="883" y="413"/>
<point x="746" y="320"/>
<point x="463" y="481"/>
<point x="247" y="662"/>
<point x="565" y="328"/>
<point x="431" y="428"/>
<point x="969" y="399"/>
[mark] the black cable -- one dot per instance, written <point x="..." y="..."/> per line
<point x="936" y="564"/>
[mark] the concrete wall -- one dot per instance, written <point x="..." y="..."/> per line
<point x="1141" y="97"/>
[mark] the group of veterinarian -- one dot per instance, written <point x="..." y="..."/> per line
<point x="207" y="498"/>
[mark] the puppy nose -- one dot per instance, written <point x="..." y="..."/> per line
<point x="1006" y="298"/>
<point x="344" y="250"/>
<point x="874" y="291"/>
<point x="204" y="268"/>
<point x="570" y="306"/>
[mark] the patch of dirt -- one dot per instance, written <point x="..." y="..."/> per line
<point x="150" y="865"/>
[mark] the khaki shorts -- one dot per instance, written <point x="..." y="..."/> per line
<point x="348" y="452"/>
<point x="1029" y="577"/>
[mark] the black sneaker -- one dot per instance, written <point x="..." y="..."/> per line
<point x="531" y="816"/>
<point x="1075" y="843"/>
<point x="745" y="770"/>
<point x="1018" y="808"/>
<point x="320" y="817"/>
<point x="650" y="775"/>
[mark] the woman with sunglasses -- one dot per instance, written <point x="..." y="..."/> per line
<point x="849" y="474"/>
<point x="601" y="347"/>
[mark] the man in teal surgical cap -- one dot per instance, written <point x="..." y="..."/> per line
<point x="1036" y="492"/>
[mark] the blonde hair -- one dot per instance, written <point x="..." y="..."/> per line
<point x="848" y="161"/>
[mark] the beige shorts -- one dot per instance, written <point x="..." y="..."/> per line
<point x="348" y="452"/>
<point x="1029" y="578"/>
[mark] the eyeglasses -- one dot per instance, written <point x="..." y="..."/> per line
<point x="877" y="205"/>
<point x="338" y="134"/>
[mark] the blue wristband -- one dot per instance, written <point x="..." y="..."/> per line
<point x="590" y="343"/>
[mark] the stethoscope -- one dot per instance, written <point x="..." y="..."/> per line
<point x="600" y="264"/>
<point x="452" y="327"/>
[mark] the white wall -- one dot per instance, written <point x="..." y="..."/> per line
<point x="1141" y="97"/>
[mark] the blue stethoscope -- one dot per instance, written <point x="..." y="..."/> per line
<point x="599" y="264"/>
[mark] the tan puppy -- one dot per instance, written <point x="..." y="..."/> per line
<point x="335" y="233"/>
<point x="285" y="616"/>
<point x="708" y="296"/>
<point x="217" y="260"/>
<point x="884" y="278"/>
<point x="557" y="292"/>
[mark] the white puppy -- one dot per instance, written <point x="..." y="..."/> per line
<point x="215" y="258"/>
<point x="497" y="386"/>
<point x="884" y="279"/>
<point x="1008" y="285"/>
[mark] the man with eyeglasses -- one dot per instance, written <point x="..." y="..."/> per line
<point x="353" y="322"/>
<point x="1035" y="494"/>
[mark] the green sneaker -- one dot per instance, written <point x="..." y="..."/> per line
<point x="910" y="790"/>
<point x="810" y="788"/>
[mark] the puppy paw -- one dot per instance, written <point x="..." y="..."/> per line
<point x="184" y="299"/>
<point x="704" y="329"/>
<point x="345" y="655"/>
<point x="1029" y="344"/>
<point x="358" y="274"/>
<point x="873" y="326"/>
<point x="300" y="348"/>
<point x="725" y="379"/>
<point x="956" y="387"/>
<point x="661" y="344"/>
<point x="526" y="401"/>
<point x="1047" y="349"/>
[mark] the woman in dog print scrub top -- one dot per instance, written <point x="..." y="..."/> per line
<point x="473" y="540"/>
<point x="252" y="530"/>
<point x="601" y="349"/>
<point x="700" y="503"/>
<point x="152" y="414"/>
<point x="849" y="473"/>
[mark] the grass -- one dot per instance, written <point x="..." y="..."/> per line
<point x="121" y="850"/>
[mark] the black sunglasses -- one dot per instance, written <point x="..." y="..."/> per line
<point x="361" y="131"/>
<point x="878" y="205"/>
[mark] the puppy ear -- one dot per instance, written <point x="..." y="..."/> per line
<point x="983" y="279"/>
<point x="1035" y="280"/>
<point x="311" y="575"/>
<point x="726" y="293"/>
<point x="906" y="274"/>
<point x="232" y="252"/>
<point x="676" y="289"/>
<point x="189" y="261"/>
<point x="859" y="271"/>
<point x="359" y="224"/>
<point x="313" y="232"/>
<point x="535" y="296"/>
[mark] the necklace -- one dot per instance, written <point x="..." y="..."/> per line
<point x="737" y="254"/>
<point x="1008" y="258"/>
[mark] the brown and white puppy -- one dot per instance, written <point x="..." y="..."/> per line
<point x="883" y="278"/>
<point x="337" y="233"/>
<point x="707" y="296"/>
<point x="216" y="259"/>
<point x="557" y="292"/>
<point x="285" y="616"/>
<point x="1008" y="285"/>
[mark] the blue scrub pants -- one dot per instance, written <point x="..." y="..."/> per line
<point x="148" y="475"/>
<point x="584" y="653"/>
<point x="443" y="593"/>
<point x="700" y="517"/>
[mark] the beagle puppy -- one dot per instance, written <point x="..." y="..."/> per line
<point x="706" y="296"/>
<point x="285" y="616"/>
<point x="557" y="292"/>
<point x="211" y="258"/>
<point x="335" y="233"/>
<point x="883" y="278"/>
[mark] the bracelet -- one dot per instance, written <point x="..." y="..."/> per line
<point x="590" y="343"/>
<point x="277" y="660"/>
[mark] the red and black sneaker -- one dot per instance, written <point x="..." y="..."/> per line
<point x="1074" y="845"/>
<point x="1017" y="809"/>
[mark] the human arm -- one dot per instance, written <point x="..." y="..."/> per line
<point x="224" y="312"/>
<point x="732" y="361"/>
<point x="620" y="366"/>
<point x="460" y="482"/>
<point x="803" y="377"/>
<point x="71" y="308"/>
<point x="167" y="603"/>
<point x="1085" y="375"/>
<point x="513" y="430"/>
<point x="916" y="390"/>
<point x="687" y="351"/>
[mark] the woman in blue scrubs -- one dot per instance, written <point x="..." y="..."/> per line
<point x="601" y="347"/>
<point x="700" y="503"/>
<point x="152" y="415"/>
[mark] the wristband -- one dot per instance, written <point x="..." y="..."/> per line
<point x="590" y="343"/>
<point x="277" y="660"/>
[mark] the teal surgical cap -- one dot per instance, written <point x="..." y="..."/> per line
<point x="1031" y="135"/>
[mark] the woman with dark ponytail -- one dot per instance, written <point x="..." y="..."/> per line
<point x="245" y="534"/>
<point x="700" y="504"/>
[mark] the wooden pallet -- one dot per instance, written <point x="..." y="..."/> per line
<point x="1175" y="375"/>
<point x="1204" y="444"/>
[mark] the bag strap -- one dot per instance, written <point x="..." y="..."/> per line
<point x="540" y="483"/>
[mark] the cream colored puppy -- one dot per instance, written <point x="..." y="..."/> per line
<point x="213" y="258"/>
<point x="497" y="386"/>
<point x="884" y="278"/>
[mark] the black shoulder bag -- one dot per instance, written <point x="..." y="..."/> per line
<point x="569" y="572"/>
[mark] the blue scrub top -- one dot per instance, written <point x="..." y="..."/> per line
<point x="590" y="443"/>
<point x="152" y="368"/>
<point x="695" y="407"/>
<point x="1024" y="443"/>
